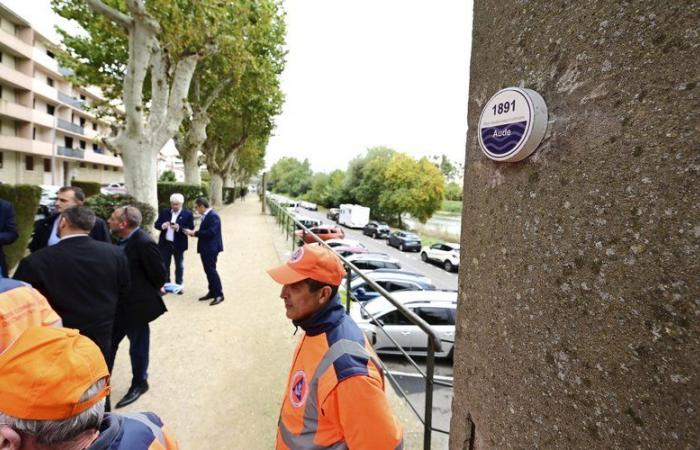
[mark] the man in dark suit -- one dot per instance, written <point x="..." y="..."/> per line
<point x="143" y="303"/>
<point x="46" y="230"/>
<point x="209" y="246"/>
<point x="172" y="242"/>
<point x="8" y="232"/>
<point x="83" y="279"/>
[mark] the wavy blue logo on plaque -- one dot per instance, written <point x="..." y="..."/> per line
<point x="502" y="139"/>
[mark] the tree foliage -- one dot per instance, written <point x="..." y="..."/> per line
<point x="290" y="176"/>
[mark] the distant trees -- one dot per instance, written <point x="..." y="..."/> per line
<point x="388" y="182"/>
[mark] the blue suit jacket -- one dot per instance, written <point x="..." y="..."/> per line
<point x="209" y="235"/>
<point x="8" y="228"/>
<point x="185" y="220"/>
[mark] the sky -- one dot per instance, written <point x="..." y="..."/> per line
<point x="361" y="74"/>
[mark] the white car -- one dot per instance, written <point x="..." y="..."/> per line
<point x="310" y="206"/>
<point x="344" y="243"/>
<point x="437" y="308"/>
<point x="444" y="253"/>
<point x="113" y="188"/>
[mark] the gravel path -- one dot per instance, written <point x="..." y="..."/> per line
<point x="217" y="373"/>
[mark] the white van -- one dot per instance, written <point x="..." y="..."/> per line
<point x="353" y="216"/>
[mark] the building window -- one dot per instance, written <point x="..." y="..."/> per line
<point x="50" y="109"/>
<point x="0" y="90"/>
<point x="68" y="141"/>
<point x="83" y="145"/>
<point x="1" y="159"/>
<point x="82" y="97"/>
<point x="49" y="81"/>
<point x="28" y="162"/>
<point x="116" y="169"/>
<point x="34" y="133"/>
<point x="94" y="126"/>
<point x="0" y="56"/>
<point x="94" y="147"/>
<point x="47" y="165"/>
<point x="95" y="166"/>
<point x="106" y="167"/>
<point x="82" y="122"/>
<point x="50" y="54"/>
<point x="83" y="165"/>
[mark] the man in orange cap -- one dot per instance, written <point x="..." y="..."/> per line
<point x="53" y="384"/>
<point x="335" y="393"/>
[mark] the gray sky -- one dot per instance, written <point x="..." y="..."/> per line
<point x="360" y="74"/>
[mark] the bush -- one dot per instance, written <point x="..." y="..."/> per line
<point x="190" y="191"/>
<point x="229" y="194"/>
<point x="89" y="187"/>
<point x="25" y="200"/>
<point x="167" y="176"/>
<point x="104" y="205"/>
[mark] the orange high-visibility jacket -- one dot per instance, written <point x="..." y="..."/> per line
<point x="335" y="395"/>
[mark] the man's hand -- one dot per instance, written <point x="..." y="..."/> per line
<point x="176" y="227"/>
<point x="188" y="232"/>
<point x="165" y="225"/>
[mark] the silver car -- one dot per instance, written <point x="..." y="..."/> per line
<point x="437" y="308"/>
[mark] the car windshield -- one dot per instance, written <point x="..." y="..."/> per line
<point x="412" y="236"/>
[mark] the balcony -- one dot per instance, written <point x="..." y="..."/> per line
<point x="47" y="62"/>
<point x="71" y="101"/>
<point x="43" y="119"/>
<point x="15" y="111"/>
<point x="71" y="152"/>
<point x="44" y="90"/>
<point x="69" y="126"/>
<point x="15" y="78"/>
<point x="15" y="46"/>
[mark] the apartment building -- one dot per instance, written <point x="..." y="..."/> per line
<point x="47" y="133"/>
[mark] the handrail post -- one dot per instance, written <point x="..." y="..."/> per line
<point x="429" y="375"/>
<point x="348" y="277"/>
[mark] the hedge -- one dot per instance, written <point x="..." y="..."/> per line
<point x="25" y="199"/>
<point x="89" y="187"/>
<point x="104" y="205"/>
<point x="190" y="191"/>
<point x="229" y="194"/>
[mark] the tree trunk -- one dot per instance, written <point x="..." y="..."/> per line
<point x="216" y="189"/>
<point x="192" y="174"/>
<point x="140" y="170"/>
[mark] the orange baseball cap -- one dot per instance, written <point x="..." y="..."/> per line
<point x="310" y="261"/>
<point x="46" y="371"/>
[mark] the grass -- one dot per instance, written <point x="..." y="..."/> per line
<point x="451" y="208"/>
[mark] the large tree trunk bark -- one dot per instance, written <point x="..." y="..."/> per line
<point x="140" y="170"/>
<point x="216" y="189"/>
<point x="192" y="173"/>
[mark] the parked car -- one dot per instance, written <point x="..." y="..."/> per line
<point x="47" y="201"/>
<point x="444" y="253"/>
<point x="333" y="214"/>
<point x="437" y="308"/>
<point x="324" y="232"/>
<point x="376" y="230"/>
<point x="346" y="250"/>
<point x="353" y="216"/>
<point x="344" y="242"/>
<point x="374" y="261"/>
<point x="310" y="206"/>
<point x="391" y="280"/>
<point x="403" y="240"/>
<point x="308" y="222"/>
<point x="113" y="188"/>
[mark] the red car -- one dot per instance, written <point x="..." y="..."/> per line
<point x="324" y="232"/>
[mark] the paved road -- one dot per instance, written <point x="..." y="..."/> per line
<point x="409" y="260"/>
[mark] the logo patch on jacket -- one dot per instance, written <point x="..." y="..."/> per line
<point x="299" y="389"/>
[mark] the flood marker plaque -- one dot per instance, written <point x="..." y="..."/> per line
<point x="512" y="124"/>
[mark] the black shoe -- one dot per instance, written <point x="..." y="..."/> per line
<point x="206" y="297"/>
<point x="133" y="394"/>
<point x="217" y="300"/>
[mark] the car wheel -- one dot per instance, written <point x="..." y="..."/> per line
<point x="401" y="247"/>
<point x="374" y="236"/>
<point x="447" y="265"/>
<point x="424" y="257"/>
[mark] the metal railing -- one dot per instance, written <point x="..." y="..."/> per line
<point x="290" y="225"/>
<point x="72" y="101"/>
<point x="71" y="152"/>
<point x="70" y="126"/>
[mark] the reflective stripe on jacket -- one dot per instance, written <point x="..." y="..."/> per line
<point x="335" y="395"/>
<point x="134" y="431"/>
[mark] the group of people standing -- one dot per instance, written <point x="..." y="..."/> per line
<point x="109" y="291"/>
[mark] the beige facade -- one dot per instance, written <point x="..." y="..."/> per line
<point x="48" y="134"/>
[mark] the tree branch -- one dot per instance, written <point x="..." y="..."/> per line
<point x="159" y="86"/>
<point x="112" y="14"/>
<point x="178" y="105"/>
<point x="223" y="84"/>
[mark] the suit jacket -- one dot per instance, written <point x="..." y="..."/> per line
<point x="83" y="280"/>
<point x="185" y="219"/>
<point x="209" y="234"/>
<point x="8" y="227"/>
<point x="43" y="227"/>
<point x="143" y="303"/>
